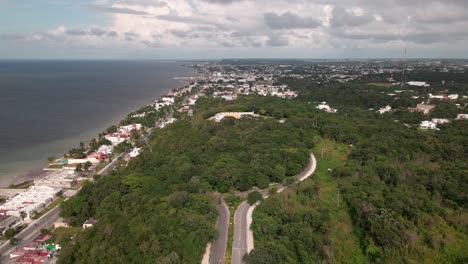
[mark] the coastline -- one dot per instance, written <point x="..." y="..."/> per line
<point x="36" y="171"/>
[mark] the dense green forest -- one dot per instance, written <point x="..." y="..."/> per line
<point x="403" y="189"/>
<point x="159" y="208"/>
<point x="383" y="192"/>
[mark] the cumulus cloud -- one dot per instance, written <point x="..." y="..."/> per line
<point x="117" y="10"/>
<point x="344" y="18"/>
<point x="260" y="24"/>
<point x="289" y="20"/>
<point x="223" y="2"/>
<point x="277" y="41"/>
<point x="90" y="32"/>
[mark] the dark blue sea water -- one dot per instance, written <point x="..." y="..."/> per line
<point x="46" y="107"/>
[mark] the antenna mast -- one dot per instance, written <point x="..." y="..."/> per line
<point x="403" y="74"/>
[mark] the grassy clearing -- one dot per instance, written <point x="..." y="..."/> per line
<point x="63" y="235"/>
<point x="345" y="246"/>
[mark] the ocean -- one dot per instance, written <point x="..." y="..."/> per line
<point x="47" y="107"/>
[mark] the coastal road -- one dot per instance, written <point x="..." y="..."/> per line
<point x="45" y="221"/>
<point x="49" y="218"/>
<point x="29" y="233"/>
<point x="243" y="236"/>
<point x="111" y="165"/>
<point x="218" y="247"/>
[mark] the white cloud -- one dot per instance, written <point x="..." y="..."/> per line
<point x="247" y="24"/>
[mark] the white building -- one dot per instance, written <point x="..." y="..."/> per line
<point x="229" y="97"/>
<point x="325" y="107"/>
<point x="159" y="105"/>
<point x="237" y="115"/>
<point x="89" y="223"/>
<point x="58" y="179"/>
<point x="453" y="96"/>
<point x="384" y="109"/>
<point x="437" y="96"/>
<point x="462" y="117"/>
<point x="139" y="115"/>
<point x="420" y="84"/>
<point x="105" y="149"/>
<point x="115" y="139"/>
<point x="31" y="201"/>
<point x="192" y="101"/>
<point x="134" y="153"/>
<point x="127" y="130"/>
<point x="440" y="120"/>
<point x="164" y="123"/>
<point x="168" y="99"/>
<point x="428" y="125"/>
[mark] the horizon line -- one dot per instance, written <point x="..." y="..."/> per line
<point x="229" y="58"/>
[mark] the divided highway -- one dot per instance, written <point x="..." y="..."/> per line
<point x="243" y="236"/>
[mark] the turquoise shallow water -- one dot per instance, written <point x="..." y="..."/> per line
<point x="46" y="107"/>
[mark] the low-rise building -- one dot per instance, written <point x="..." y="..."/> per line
<point x="237" y="115"/>
<point x="438" y="96"/>
<point x="440" y="120"/>
<point x="462" y="117"/>
<point x="126" y="131"/>
<point x="420" y="84"/>
<point x="29" y="202"/>
<point x="163" y="123"/>
<point x="34" y="252"/>
<point x="229" y="97"/>
<point x="114" y="138"/>
<point x="384" y="109"/>
<point x="168" y="99"/>
<point x="105" y="149"/>
<point x="89" y="223"/>
<point x="138" y="115"/>
<point x="134" y="153"/>
<point x="325" y="107"/>
<point x="423" y="108"/>
<point x="160" y="105"/>
<point x="58" y="179"/>
<point x="428" y="125"/>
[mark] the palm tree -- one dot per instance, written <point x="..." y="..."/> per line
<point x="23" y="215"/>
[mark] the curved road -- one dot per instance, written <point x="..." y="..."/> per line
<point x="243" y="236"/>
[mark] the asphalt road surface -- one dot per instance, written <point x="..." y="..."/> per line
<point x="243" y="237"/>
<point x="218" y="247"/>
<point x="29" y="233"/>
<point x="34" y="228"/>
<point x="239" y="245"/>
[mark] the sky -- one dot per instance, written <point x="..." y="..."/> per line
<point x="213" y="29"/>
